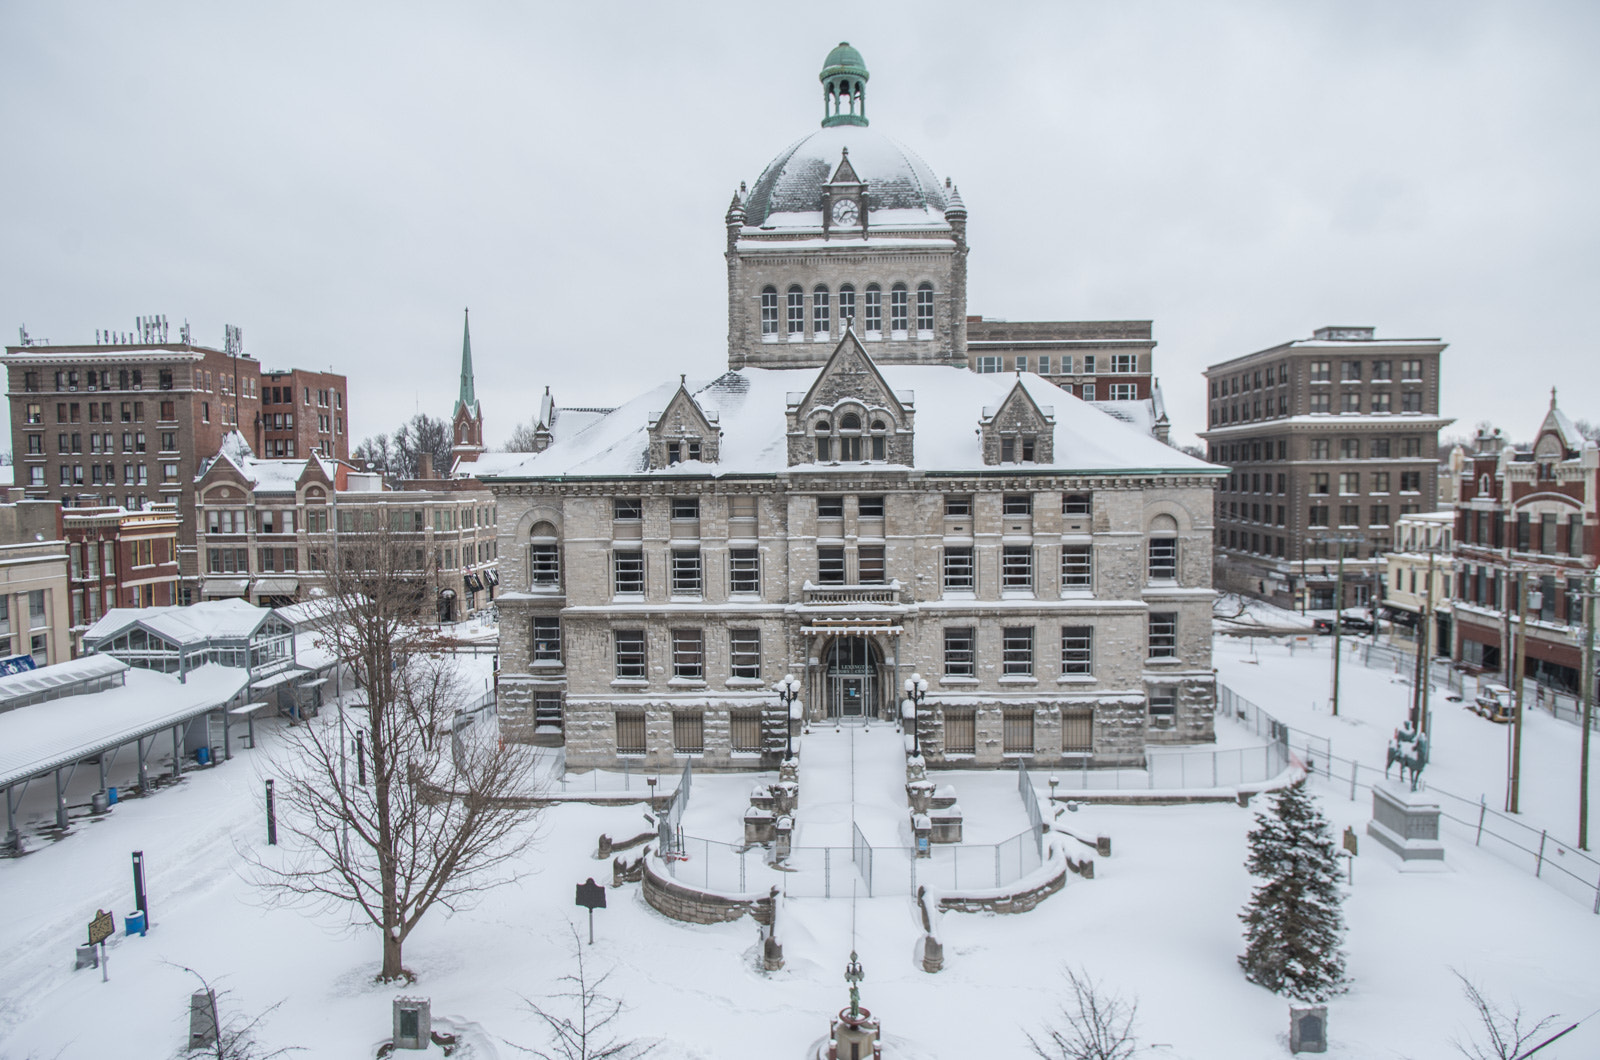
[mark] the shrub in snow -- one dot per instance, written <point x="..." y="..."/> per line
<point x="1094" y="1025"/>
<point x="1294" y="921"/>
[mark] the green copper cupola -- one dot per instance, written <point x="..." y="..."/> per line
<point x="844" y="87"/>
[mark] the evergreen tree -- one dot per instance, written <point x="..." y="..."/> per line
<point x="1293" y="921"/>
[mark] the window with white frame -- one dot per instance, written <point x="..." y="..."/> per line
<point x="628" y="572"/>
<point x="925" y="311"/>
<point x="1088" y="391"/>
<point x="744" y="570"/>
<point x="1077" y="651"/>
<point x="1044" y="364"/>
<point x="1016" y="568"/>
<point x="1077" y="567"/>
<point x="1124" y="363"/>
<point x="874" y="311"/>
<point x="899" y="310"/>
<point x="958" y="571"/>
<point x="1016" y="658"/>
<point x="958" y="652"/>
<point x="744" y="653"/>
<point x="689" y="654"/>
<point x="1163" y="634"/>
<point x="797" y="313"/>
<point x="847" y="306"/>
<point x="1124" y="392"/>
<point x="768" y="313"/>
<point x="686" y="580"/>
<point x="1022" y="363"/>
<point x="630" y="660"/>
<point x="988" y="365"/>
<point x="821" y="313"/>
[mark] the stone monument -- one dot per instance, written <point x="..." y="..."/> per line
<point x="1308" y="1028"/>
<point x="1405" y="821"/>
<point x="854" y="1035"/>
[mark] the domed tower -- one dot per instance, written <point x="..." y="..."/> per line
<point x="846" y="228"/>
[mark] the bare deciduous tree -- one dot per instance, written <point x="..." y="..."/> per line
<point x="443" y="815"/>
<point x="524" y="438"/>
<point x="582" y="1028"/>
<point x="396" y="454"/>
<point x="1503" y="1034"/>
<point x="1094" y="1025"/>
<point x="236" y="1033"/>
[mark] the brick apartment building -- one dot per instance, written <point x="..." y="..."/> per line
<point x="303" y="412"/>
<point x="120" y="558"/>
<point x="1527" y="513"/>
<point x="129" y="423"/>
<point x="1332" y="437"/>
<point x="33" y="583"/>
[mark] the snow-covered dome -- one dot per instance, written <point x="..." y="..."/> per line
<point x="896" y="178"/>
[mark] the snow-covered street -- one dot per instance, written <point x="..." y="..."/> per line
<point x="1159" y="921"/>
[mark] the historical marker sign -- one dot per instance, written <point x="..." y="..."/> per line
<point x="591" y="896"/>
<point x="102" y="927"/>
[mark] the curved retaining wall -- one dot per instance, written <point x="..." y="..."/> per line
<point x="671" y="898"/>
<point x="1015" y="902"/>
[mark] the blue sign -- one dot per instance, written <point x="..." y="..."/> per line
<point x="17" y="664"/>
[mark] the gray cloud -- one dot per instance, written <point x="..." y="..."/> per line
<point x="341" y="179"/>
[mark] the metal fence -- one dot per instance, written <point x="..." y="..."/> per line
<point x="1170" y="770"/>
<point x="670" y="826"/>
<point x="1550" y="858"/>
<point x="1030" y="802"/>
<point x="1307" y="745"/>
<point x="860" y="869"/>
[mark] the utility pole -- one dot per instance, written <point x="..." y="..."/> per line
<point x="1516" y="715"/>
<point x="1419" y="689"/>
<point x="1587" y="686"/>
<point x="1338" y="605"/>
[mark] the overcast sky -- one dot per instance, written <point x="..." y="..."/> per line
<point x="340" y="180"/>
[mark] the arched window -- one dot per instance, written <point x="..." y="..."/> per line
<point x="1163" y="549"/>
<point x="821" y="313"/>
<point x="925" y="311"/>
<point x="847" y="306"/>
<point x="899" y="311"/>
<point x="850" y="436"/>
<point x="769" y="313"/>
<point x="874" y="311"/>
<point x="823" y="432"/>
<point x="797" y="313"/>
<point x="880" y="440"/>
<point x="544" y="557"/>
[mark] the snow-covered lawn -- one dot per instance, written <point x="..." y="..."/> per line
<point x="1159" y="922"/>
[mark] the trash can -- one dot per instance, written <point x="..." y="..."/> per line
<point x="133" y="924"/>
<point x="99" y="802"/>
<point x="203" y="756"/>
<point x="111" y="796"/>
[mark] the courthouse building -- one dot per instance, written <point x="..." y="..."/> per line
<point x="851" y="504"/>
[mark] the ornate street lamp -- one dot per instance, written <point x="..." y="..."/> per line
<point x="916" y="692"/>
<point x="789" y="693"/>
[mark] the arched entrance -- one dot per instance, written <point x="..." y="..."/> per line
<point x="447" y="605"/>
<point x="851" y="683"/>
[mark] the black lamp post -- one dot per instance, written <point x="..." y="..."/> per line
<point x="916" y="692"/>
<point x="789" y="693"/>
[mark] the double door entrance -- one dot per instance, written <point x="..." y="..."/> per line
<point x="851" y="679"/>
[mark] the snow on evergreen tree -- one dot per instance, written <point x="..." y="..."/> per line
<point x="1293" y="921"/>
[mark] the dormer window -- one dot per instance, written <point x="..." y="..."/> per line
<point x="685" y="449"/>
<point x="824" y="431"/>
<point x="899" y="311"/>
<point x="880" y="441"/>
<point x="1016" y="449"/>
<point x="874" y="312"/>
<point x="849" y="437"/>
<point x="821" y="314"/>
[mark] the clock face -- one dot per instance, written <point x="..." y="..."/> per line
<point x="845" y="212"/>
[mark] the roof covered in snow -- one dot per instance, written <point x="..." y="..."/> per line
<point x="751" y="406"/>
<point x="265" y="476"/>
<point x="901" y="189"/>
<point x="225" y="619"/>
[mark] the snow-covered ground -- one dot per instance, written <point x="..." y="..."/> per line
<point x="1159" y="921"/>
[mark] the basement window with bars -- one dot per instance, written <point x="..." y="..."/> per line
<point x="1163" y="707"/>
<point x="689" y="732"/>
<point x="1017" y="732"/>
<point x="960" y="731"/>
<point x="744" y="731"/>
<point x="1077" y="730"/>
<point x="630" y="732"/>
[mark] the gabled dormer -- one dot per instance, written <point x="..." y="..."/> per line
<point x="683" y="431"/>
<point x="844" y="201"/>
<point x="850" y="415"/>
<point x="1019" y="430"/>
<point x="1558" y="438"/>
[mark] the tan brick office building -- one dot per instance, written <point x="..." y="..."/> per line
<point x="1335" y="436"/>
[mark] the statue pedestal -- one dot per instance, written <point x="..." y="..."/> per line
<point x="854" y="1037"/>
<point x="1407" y="822"/>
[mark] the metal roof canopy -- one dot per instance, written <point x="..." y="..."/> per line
<point x="42" y="737"/>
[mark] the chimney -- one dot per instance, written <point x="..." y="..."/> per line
<point x="424" y="465"/>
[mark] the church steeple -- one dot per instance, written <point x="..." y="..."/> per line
<point x="844" y="87"/>
<point x="467" y="423"/>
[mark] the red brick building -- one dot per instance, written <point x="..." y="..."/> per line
<point x="119" y="558"/>
<point x="303" y="412"/>
<point x="1527" y="513"/>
